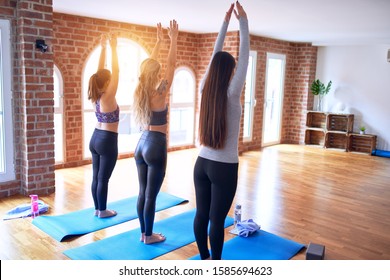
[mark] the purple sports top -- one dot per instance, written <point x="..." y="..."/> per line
<point x="109" y="117"/>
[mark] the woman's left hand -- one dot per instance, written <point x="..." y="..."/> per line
<point x="113" y="41"/>
<point x="160" y="34"/>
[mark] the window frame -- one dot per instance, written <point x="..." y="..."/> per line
<point x="59" y="110"/>
<point x="283" y="58"/>
<point x="8" y="174"/>
<point x="191" y="105"/>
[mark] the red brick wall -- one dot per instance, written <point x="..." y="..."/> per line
<point x="304" y="68"/>
<point x="71" y="39"/>
<point x="32" y="97"/>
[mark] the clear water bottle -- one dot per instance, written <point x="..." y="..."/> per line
<point x="237" y="214"/>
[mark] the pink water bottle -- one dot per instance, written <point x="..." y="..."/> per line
<point x="34" y="205"/>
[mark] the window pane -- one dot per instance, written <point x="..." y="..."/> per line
<point x="129" y="132"/>
<point x="249" y="97"/>
<point x="183" y="87"/>
<point x="58" y="138"/>
<point x="247" y="120"/>
<point x="56" y="90"/>
<point x="7" y="171"/>
<point x="58" y="116"/>
<point x="2" y="132"/>
<point x="273" y="98"/>
<point x="2" y="154"/>
<point x="181" y="123"/>
<point x="181" y="126"/>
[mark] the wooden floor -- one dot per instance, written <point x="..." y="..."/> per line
<point x="307" y="194"/>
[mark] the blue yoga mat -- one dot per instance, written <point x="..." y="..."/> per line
<point x="82" y="222"/>
<point x="261" y="245"/>
<point x="381" y="153"/>
<point x="127" y="246"/>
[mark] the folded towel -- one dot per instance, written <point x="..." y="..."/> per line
<point x="247" y="227"/>
<point x="24" y="210"/>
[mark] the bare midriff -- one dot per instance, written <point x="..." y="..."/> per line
<point x="113" y="127"/>
<point x="159" y="128"/>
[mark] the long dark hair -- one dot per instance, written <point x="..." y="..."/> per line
<point x="97" y="83"/>
<point x="213" y="105"/>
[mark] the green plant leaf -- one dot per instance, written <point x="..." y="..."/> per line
<point x="318" y="88"/>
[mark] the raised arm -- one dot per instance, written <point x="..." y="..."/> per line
<point x="238" y="79"/>
<point x="219" y="41"/>
<point x="102" y="58"/>
<point x="222" y="33"/>
<point x="160" y="38"/>
<point x="113" y="85"/>
<point x="173" y="32"/>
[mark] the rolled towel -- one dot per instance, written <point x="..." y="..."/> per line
<point x="247" y="227"/>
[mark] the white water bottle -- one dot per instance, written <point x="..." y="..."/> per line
<point x="237" y="214"/>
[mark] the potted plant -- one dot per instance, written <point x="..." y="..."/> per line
<point x="362" y="129"/>
<point x="319" y="89"/>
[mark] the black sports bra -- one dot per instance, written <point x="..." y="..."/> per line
<point x="159" y="117"/>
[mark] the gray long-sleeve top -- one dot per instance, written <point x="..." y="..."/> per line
<point x="229" y="153"/>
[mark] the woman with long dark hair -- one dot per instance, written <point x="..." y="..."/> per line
<point x="216" y="168"/>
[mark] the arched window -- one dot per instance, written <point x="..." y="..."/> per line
<point x="58" y="115"/>
<point x="182" y="109"/>
<point x="130" y="56"/>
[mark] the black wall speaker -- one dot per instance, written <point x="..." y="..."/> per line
<point x="388" y="56"/>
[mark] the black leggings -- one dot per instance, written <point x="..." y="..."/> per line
<point x="215" y="187"/>
<point x="104" y="149"/>
<point x="151" y="159"/>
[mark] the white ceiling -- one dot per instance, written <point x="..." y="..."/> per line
<point x="321" y="22"/>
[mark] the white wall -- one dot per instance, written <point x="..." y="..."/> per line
<point x="361" y="86"/>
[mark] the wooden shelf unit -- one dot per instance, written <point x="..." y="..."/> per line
<point x="361" y="143"/>
<point x="328" y="130"/>
<point x="316" y="120"/>
<point x="315" y="137"/>
<point x="334" y="131"/>
<point x="339" y="122"/>
<point x="336" y="140"/>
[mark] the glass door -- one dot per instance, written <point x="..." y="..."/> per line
<point x="273" y="101"/>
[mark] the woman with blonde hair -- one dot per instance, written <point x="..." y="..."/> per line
<point x="104" y="141"/>
<point x="216" y="168"/>
<point x="151" y="109"/>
